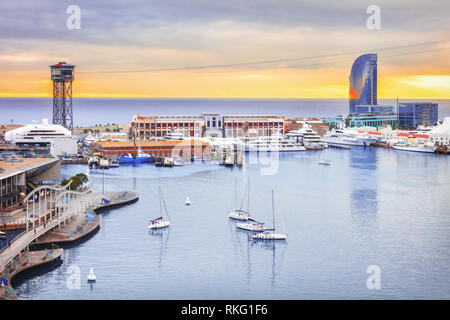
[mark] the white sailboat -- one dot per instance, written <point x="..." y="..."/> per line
<point x="323" y="161"/>
<point x="251" y="225"/>
<point x="159" y="223"/>
<point x="270" y="235"/>
<point x="188" y="201"/>
<point x="239" y="214"/>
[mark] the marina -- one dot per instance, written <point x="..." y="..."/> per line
<point x="343" y="223"/>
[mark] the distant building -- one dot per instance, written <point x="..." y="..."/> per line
<point x="440" y="135"/>
<point x="412" y="114"/>
<point x="363" y="120"/>
<point x="252" y="126"/>
<point x="369" y="108"/>
<point x="208" y="124"/>
<point x="363" y="82"/>
<point x="16" y="176"/>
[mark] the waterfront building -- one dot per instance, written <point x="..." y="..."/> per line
<point x="369" y="108"/>
<point x="18" y="176"/>
<point x="253" y="126"/>
<point x="147" y="128"/>
<point x="412" y="114"/>
<point x="440" y="134"/>
<point x="363" y="82"/>
<point x="151" y="127"/>
<point x="363" y="120"/>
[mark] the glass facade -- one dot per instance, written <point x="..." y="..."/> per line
<point x="417" y="113"/>
<point x="363" y="82"/>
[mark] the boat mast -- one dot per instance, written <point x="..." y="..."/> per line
<point x="165" y="208"/>
<point x="248" y="197"/>
<point x="235" y="193"/>
<point x="273" y="212"/>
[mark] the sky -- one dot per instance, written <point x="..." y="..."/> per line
<point x="224" y="49"/>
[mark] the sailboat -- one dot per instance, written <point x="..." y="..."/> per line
<point x="239" y="214"/>
<point x="159" y="223"/>
<point x="324" y="162"/>
<point x="270" y="235"/>
<point x="251" y="225"/>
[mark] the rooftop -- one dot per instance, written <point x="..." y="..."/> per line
<point x="11" y="168"/>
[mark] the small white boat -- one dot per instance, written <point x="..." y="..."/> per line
<point x="270" y="235"/>
<point x="91" y="276"/>
<point x="159" y="223"/>
<point x="188" y="201"/>
<point x="325" y="162"/>
<point x="178" y="162"/>
<point x="2" y="235"/>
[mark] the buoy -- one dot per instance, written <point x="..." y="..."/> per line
<point x="91" y="276"/>
<point x="188" y="201"/>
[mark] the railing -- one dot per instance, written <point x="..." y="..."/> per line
<point x="64" y="204"/>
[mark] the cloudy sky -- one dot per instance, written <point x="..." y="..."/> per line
<point x="233" y="48"/>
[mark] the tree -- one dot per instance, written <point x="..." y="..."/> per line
<point x="77" y="181"/>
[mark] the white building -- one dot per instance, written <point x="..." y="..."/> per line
<point x="63" y="146"/>
<point x="441" y="134"/>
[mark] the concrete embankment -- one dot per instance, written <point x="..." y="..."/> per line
<point x="27" y="261"/>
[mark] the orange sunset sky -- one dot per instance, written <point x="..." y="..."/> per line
<point x="314" y="48"/>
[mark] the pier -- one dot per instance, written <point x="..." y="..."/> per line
<point x="53" y="215"/>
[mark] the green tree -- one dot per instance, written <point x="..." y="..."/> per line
<point x="77" y="181"/>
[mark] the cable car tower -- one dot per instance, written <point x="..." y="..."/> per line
<point x="62" y="77"/>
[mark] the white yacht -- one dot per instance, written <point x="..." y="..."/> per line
<point x="306" y="135"/>
<point x="414" y="147"/>
<point x="274" y="143"/>
<point x="37" y="134"/>
<point x="347" y="137"/>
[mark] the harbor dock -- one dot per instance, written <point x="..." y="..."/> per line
<point x="26" y="261"/>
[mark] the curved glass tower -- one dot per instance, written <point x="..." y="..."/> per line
<point x="363" y="81"/>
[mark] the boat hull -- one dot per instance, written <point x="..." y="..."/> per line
<point x="159" y="225"/>
<point x="239" y="216"/>
<point x="134" y="160"/>
<point x="270" y="236"/>
<point x="415" y="149"/>
<point x="250" y="227"/>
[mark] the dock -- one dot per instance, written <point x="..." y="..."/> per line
<point x="73" y="232"/>
<point x="114" y="199"/>
<point x="27" y="260"/>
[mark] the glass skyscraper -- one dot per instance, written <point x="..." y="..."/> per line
<point x="363" y="82"/>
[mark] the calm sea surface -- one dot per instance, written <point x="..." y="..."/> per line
<point x="89" y="111"/>
<point x="373" y="206"/>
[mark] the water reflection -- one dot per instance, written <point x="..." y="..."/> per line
<point x="161" y="235"/>
<point x="363" y="187"/>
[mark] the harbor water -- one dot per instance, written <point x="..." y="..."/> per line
<point x="372" y="206"/>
